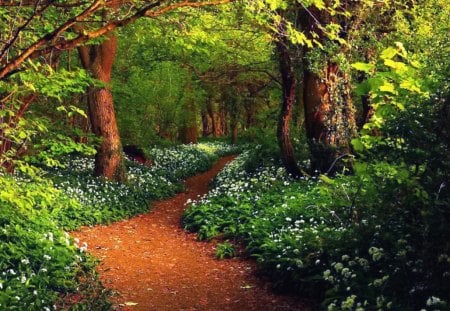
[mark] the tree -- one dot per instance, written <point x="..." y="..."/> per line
<point x="311" y="41"/>
<point x="327" y="95"/>
<point x="289" y="87"/>
<point x="98" y="60"/>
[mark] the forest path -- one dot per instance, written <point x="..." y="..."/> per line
<point x="154" y="264"/>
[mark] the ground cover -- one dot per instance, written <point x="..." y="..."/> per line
<point x="360" y="242"/>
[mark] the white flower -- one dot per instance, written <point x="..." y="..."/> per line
<point x="23" y="279"/>
<point x="431" y="301"/>
<point x="25" y="261"/>
<point x="47" y="257"/>
<point x="84" y="247"/>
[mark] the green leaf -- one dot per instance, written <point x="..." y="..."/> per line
<point x="357" y="145"/>
<point x="363" y="88"/>
<point x="398" y="66"/>
<point x="388" y="87"/>
<point x="388" y="53"/>
<point x="326" y="179"/>
<point x="365" y="67"/>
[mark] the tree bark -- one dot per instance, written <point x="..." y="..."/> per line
<point x="234" y="118"/>
<point x="188" y="128"/>
<point x="329" y="117"/>
<point x="98" y="60"/>
<point x="328" y="106"/>
<point x="289" y="83"/>
<point x="207" y="119"/>
<point x="206" y="124"/>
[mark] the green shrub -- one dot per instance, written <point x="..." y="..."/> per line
<point x="225" y="250"/>
<point x="38" y="260"/>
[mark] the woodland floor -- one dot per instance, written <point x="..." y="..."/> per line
<point x="153" y="264"/>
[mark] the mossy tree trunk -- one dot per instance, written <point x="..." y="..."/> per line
<point x="289" y="84"/>
<point x="328" y="106"/>
<point x="188" y="130"/>
<point x="329" y="117"/>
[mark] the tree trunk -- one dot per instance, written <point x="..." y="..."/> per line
<point x="216" y="115"/>
<point x="234" y="118"/>
<point x="98" y="60"/>
<point x="188" y="128"/>
<point x="207" y="120"/>
<point x="234" y="132"/>
<point x="289" y="83"/>
<point x="188" y="134"/>
<point x="329" y="117"/>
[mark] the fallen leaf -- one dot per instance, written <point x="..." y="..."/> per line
<point x="130" y="304"/>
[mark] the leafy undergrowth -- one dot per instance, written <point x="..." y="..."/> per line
<point x="372" y="241"/>
<point x="38" y="260"/>
<point x="41" y="267"/>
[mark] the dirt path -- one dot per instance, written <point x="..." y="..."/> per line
<point x="155" y="265"/>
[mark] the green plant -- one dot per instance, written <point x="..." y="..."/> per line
<point x="225" y="250"/>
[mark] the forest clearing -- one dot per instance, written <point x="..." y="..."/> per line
<point x="224" y="155"/>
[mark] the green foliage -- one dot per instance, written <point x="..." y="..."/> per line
<point x="20" y="126"/>
<point x="373" y="240"/>
<point x="394" y="83"/>
<point x="225" y="250"/>
<point x="39" y="261"/>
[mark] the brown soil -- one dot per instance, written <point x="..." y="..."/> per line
<point x="153" y="264"/>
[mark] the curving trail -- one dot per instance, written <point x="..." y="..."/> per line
<point x="154" y="264"/>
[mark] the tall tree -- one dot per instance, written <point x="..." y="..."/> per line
<point x="329" y="111"/>
<point x="289" y="87"/>
<point x="98" y="60"/>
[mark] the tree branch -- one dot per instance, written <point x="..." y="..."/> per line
<point x="27" y="53"/>
<point x="38" y="48"/>
<point x="36" y="13"/>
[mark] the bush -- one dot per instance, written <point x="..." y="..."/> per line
<point x="225" y="250"/>
<point x="374" y="240"/>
